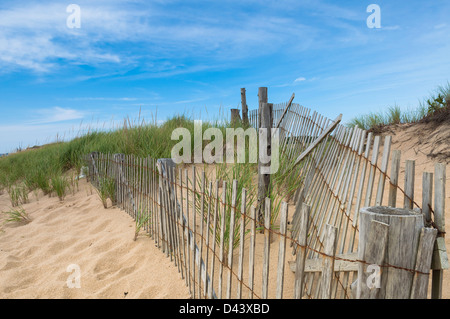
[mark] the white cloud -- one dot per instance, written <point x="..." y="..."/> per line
<point x="301" y="79"/>
<point x="56" y="114"/>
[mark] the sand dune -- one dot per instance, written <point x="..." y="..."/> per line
<point x="34" y="257"/>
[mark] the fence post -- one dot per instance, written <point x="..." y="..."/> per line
<point x="244" y="107"/>
<point x="440" y="258"/>
<point x="396" y="279"/>
<point x="118" y="161"/>
<point x="235" y="117"/>
<point x="373" y="253"/>
<point x="302" y="250"/>
<point x="266" y="149"/>
<point x="262" y="98"/>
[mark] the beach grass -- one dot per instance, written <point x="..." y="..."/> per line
<point x="436" y="103"/>
<point x="17" y="215"/>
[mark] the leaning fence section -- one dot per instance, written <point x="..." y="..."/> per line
<point x="342" y="173"/>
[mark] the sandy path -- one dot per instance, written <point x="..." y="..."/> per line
<point x="34" y="257"/>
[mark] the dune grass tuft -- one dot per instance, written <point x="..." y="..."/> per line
<point x="18" y="215"/>
<point x="438" y="102"/>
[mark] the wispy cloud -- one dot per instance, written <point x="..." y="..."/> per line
<point x="56" y="114"/>
<point x="103" y="99"/>
<point x="300" y="79"/>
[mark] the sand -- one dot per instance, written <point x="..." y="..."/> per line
<point x="34" y="257"/>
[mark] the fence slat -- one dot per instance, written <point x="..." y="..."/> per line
<point x="440" y="258"/>
<point x="302" y="251"/>
<point x="213" y="259"/>
<point x="207" y="244"/>
<point x="251" y="252"/>
<point x="202" y="211"/>
<point x="423" y="262"/>
<point x="231" y="237"/>
<point x="222" y="236"/>
<point x="266" y="253"/>
<point x="328" y="261"/>
<point x="395" y="169"/>
<point x="282" y="250"/>
<point x="241" y="242"/>
<point x="188" y="239"/>
<point x="409" y="184"/>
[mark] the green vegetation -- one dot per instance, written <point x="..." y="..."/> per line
<point x="107" y="189"/>
<point x="142" y="218"/>
<point x="60" y="185"/>
<point x="18" y="194"/>
<point x="433" y="107"/>
<point x="17" y="215"/>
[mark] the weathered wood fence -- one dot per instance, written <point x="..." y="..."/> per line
<point x="210" y="231"/>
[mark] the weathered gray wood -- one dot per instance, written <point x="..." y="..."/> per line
<point x="194" y="230"/>
<point x="409" y="184"/>
<point x="285" y="110"/>
<point x="423" y="263"/>
<point x="403" y="237"/>
<point x="328" y="261"/>
<point x="222" y="236"/>
<point x="235" y="116"/>
<point x="251" y="252"/>
<point x="185" y="239"/>
<point x="202" y="216"/>
<point x="439" y="196"/>
<point x="384" y="165"/>
<point x="372" y="171"/>
<point x="301" y="251"/>
<point x="427" y="194"/>
<point x="188" y="238"/>
<point x="264" y="177"/>
<point x="282" y="250"/>
<point x="373" y="256"/>
<point x="213" y="259"/>
<point x="266" y="253"/>
<point x="440" y="258"/>
<point x="342" y="263"/>
<point x="319" y="139"/>
<point x="262" y="98"/>
<point x="231" y="237"/>
<point x="241" y="243"/>
<point x="208" y="227"/>
<point x="395" y="169"/>
<point x="244" y="107"/>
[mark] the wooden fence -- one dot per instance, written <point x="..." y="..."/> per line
<point x="210" y="230"/>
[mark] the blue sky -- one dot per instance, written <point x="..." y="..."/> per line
<point x="192" y="57"/>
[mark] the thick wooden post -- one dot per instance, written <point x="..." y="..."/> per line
<point x="235" y="117"/>
<point x="373" y="254"/>
<point x="396" y="274"/>
<point x="262" y="98"/>
<point x="265" y="140"/>
<point x="244" y="107"/>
